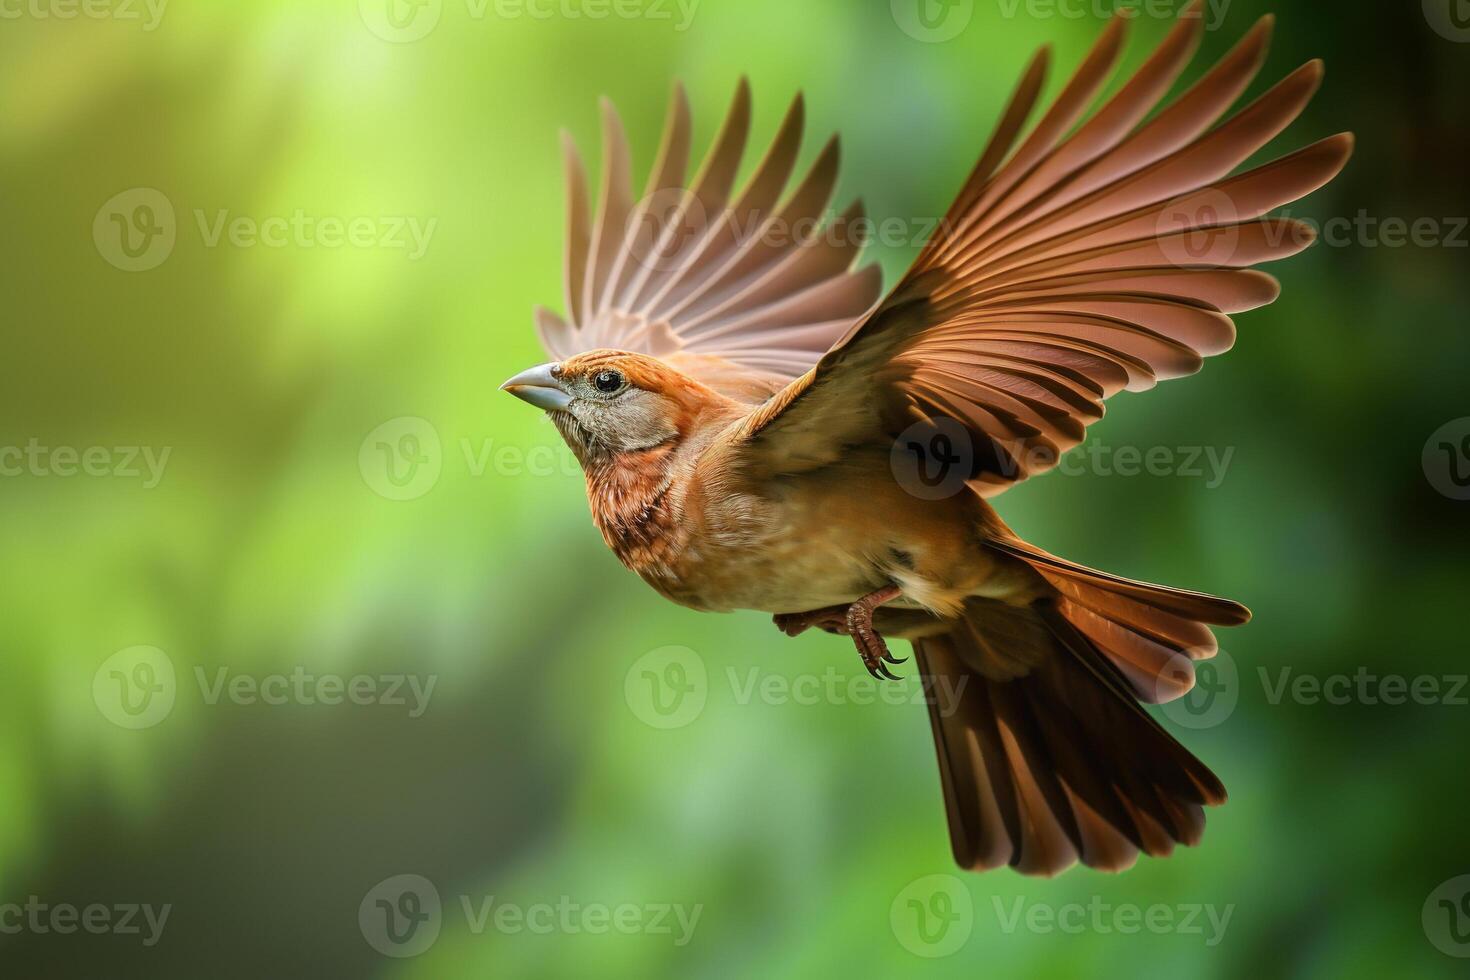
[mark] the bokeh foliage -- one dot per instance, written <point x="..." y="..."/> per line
<point x="529" y="778"/>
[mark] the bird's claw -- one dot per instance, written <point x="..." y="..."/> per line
<point x="856" y="621"/>
<point x="870" y="643"/>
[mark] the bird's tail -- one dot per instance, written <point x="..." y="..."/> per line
<point x="1045" y="755"/>
<point x="1153" y="634"/>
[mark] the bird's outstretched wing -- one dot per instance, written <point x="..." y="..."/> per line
<point x="1070" y="267"/>
<point x="741" y="291"/>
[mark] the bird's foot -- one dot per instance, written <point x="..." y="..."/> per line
<point x="833" y="619"/>
<point x="870" y="644"/>
<point x="856" y="621"/>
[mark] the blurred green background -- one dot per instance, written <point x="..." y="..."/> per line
<point x="280" y="538"/>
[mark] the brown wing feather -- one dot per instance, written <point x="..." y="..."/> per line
<point x="1072" y="268"/>
<point x="702" y="275"/>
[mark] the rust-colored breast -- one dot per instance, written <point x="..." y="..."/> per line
<point x="634" y="503"/>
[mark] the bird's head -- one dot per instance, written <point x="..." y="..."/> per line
<point x="609" y="402"/>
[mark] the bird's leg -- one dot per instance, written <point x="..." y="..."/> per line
<point x="869" y="643"/>
<point x="833" y="619"/>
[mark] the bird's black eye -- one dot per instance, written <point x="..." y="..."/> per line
<point x="608" y="382"/>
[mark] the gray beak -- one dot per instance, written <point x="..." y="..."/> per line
<point x="539" y="387"/>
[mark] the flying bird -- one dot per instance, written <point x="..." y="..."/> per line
<point x="761" y="428"/>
